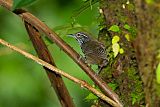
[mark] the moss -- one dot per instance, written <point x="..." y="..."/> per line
<point x="106" y="72"/>
<point x="137" y="93"/>
<point x="130" y="7"/>
<point x="123" y="70"/>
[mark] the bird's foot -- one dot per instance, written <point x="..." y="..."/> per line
<point x="81" y="57"/>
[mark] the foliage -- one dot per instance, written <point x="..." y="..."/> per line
<point x="114" y="28"/>
<point x="115" y="39"/>
<point x="126" y="26"/>
<point x="127" y="36"/>
<point x="21" y="3"/>
<point x="137" y="93"/>
<point x="135" y="97"/>
<point x="131" y="30"/>
<point x="115" y="46"/>
<point x="16" y="71"/>
<point x="113" y="86"/>
<point x="86" y="4"/>
<point x="91" y="96"/>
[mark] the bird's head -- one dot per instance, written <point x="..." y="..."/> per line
<point x="81" y="37"/>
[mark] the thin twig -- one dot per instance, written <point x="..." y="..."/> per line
<point x="44" y="54"/>
<point x="28" y="17"/>
<point x="60" y="72"/>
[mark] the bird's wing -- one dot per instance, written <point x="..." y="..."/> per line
<point x="95" y="48"/>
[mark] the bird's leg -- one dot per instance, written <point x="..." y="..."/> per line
<point x="100" y="67"/>
<point x="81" y="57"/>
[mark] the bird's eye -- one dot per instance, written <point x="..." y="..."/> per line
<point x="78" y="35"/>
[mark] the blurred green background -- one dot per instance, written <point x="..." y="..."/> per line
<point x="24" y="83"/>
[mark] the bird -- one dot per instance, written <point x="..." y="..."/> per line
<point x="94" y="51"/>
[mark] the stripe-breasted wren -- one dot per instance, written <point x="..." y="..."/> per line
<point x="93" y="50"/>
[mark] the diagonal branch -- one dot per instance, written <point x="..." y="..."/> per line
<point x="60" y="72"/>
<point x="28" y="17"/>
<point x="55" y="79"/>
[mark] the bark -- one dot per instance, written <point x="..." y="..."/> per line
<point x="147" y="47"/>
<point x="122" y="70"/>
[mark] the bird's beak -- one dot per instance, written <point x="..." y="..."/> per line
<point x="71" y="35"/>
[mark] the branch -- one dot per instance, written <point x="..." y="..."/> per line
<point x="28" y="17"/>
<point x="60" y="72"/>
<point x="55" y="79"/>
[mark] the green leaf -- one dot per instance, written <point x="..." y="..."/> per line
<point x="21" y="3"/>
<point x="134" y="98"/>
<point x="114" y="28"/>
<point x="126" y="26"/>
<point x="113" y="86"/>
<point x="121" y="50"/>
<point x="115" y="48"/>
<point x="115" y="39"/>
<point x="48" y="40"/>
<point x="91" y="96"/>
<point x="158" y="74"/>
<point x="127" y="37"/>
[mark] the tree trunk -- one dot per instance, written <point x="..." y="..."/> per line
<point x="122" y="71"/>
<point x="148" y="48"/>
